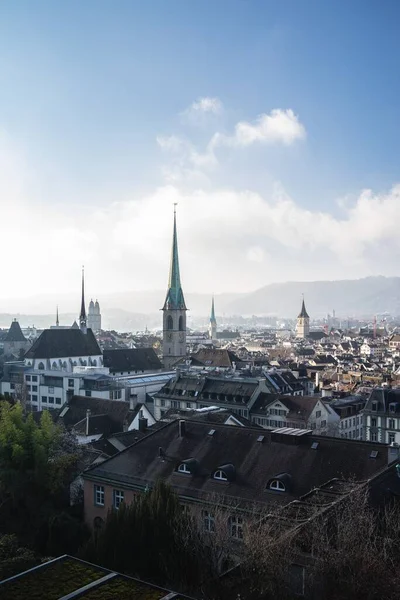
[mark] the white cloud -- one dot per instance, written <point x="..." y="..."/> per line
<point x="202" y="107"/>
<point x="280" y="126"/>
<point x="229" y="240"/>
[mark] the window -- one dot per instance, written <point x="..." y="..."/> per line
<point x="188" y="405"/>
<point x="170" y="323"/>
<point x="175" y="404"/>
<point x="374" y="406"/>
<point x="41" y="366"/>
<point x="34" y="398"/>
<point x="12" y="386"/>
<point x="236" y="527"/>
<point x="181" y="324"/>
<point x="277" y="485"/>
<point x="44" y="399"/>
<point x="208" y="521"/>
<point x="318" y="414"/>
<point x="323" y="423"/>
<point x="34" y="388"/>
<point x="51" y="399"/>
<point x="99" y="495"/>
<point x="392" y="424"/>
<point x="183" y="468"/>
<point x="51" y="390"/>
<point x="220" y="475"/>
<point x="34" y="377"/>
<point x="162" y="402"/>
<point x="392" y="438"/>
<point x="374" y="437"/>
<point x="373" y="422"/>
<point x="88" y="393"/>
<point x="70" y="383"/>
<point x="28" y="377"/>
<point x="118" y="497"/>
<point x="28" y="387"/>
<point x="58" y="401"/>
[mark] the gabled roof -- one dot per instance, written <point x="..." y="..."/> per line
<point x="75" y="410"/>
<point x="60" y="343"/>
<point x="215" y="357"/>
<point x="15" y="333"/>
<point x="131" y="359"/>
<point x="257" y="456"/>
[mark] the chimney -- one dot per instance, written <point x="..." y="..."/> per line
<point x="87" y="421"/>
<point x="393" y="452"/>
<point x="131" y="402"/>
<point x="181" y="426"/>
<point x="142" y="424"/>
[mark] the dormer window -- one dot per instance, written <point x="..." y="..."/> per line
<point x="225" y="473"/>
<point x="220" y="476"/>
<point x="277" y="486"/>
<point x="183" y="468"/>
<point x="374" y="406"/>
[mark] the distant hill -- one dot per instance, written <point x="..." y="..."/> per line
<point x="358" y="297"/>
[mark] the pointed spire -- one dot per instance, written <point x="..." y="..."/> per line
<point x="212" y="317"/>
<point x="174" y="298"/>
<point x="57" y="319"/>
<point x="303" y="313"/>
<point x="82" y="316"/>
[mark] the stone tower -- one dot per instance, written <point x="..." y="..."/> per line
<point x="303" y="323"/>
<point x="212" y="328"/>
<point x="174" y="311"/>
<point x="94" y="316"/>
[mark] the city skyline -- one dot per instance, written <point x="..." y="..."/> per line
<point x="107" y="118"/>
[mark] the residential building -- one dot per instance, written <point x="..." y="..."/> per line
<point x="130" y="361"/>
<point x="381" y="416"/>
<point x="202" y="462"/>
<point x="174" y="311"/>
<point x="349" y="410"/>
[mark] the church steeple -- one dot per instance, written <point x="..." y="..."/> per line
<point x="303" y="323"/>
<point x="174" y="310"/>
<point x="82" y="316"/>
<point x="174" y="299"/>
<point x="213" y="322"/>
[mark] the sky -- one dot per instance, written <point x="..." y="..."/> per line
<point x="274" y="125"/>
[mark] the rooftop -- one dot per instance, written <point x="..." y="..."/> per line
<point x="68" y="577"/>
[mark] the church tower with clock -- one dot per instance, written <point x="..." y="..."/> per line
<point x="174" y="311"/>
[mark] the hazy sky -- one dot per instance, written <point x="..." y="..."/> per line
<point x="274" y="124"/>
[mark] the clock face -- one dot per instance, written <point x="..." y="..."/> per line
<point x="169" y="336"/>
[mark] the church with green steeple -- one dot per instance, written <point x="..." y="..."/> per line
<point x="212" y="328"/>
<point x="174" y="311"/>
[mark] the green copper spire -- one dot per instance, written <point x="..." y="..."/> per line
<point x="174" y="299"/>
<point x="212" y="318"/>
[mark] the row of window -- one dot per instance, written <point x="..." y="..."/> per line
<point x="99" y="496"/>
<point x="355" y="434"/>
<point x="31" y="377"/>
<point x="235" y="524"/>
<point x="48" y="400"/>
<point x="351" y="422"/>
<point x="391" y="423"/>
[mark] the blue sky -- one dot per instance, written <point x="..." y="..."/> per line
<point x="87" y="89"/>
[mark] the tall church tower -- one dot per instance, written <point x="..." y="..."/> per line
<point x="174" y="311"/>
<point x="303" y="323"/>
<point x="82" y="316"/>
<point x="212" y="328"/>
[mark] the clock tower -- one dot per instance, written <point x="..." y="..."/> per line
<point x="174" y="311"/>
